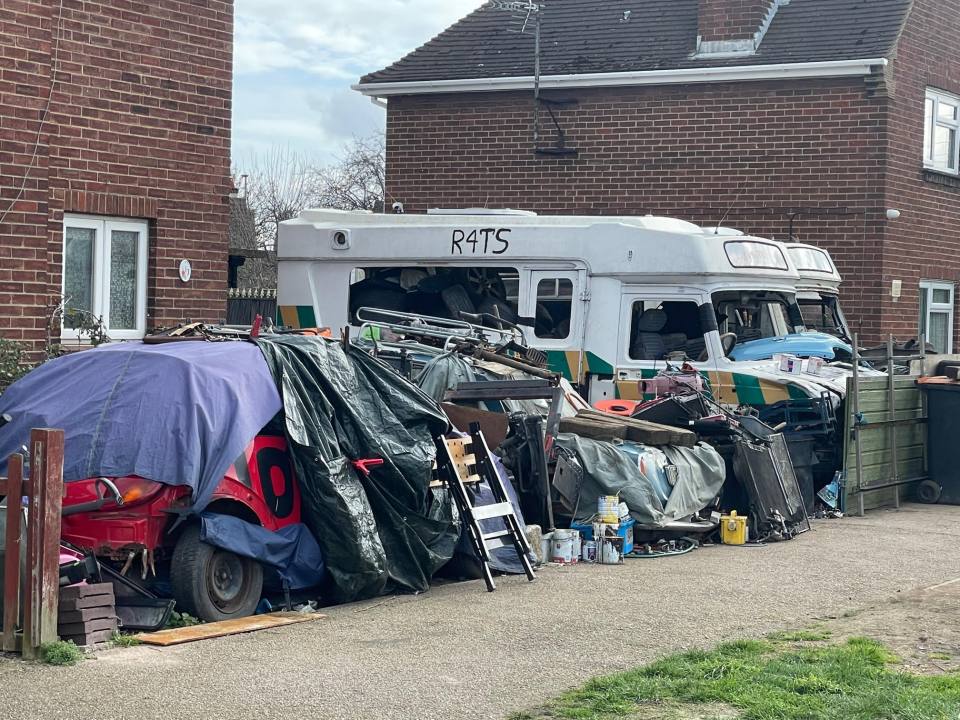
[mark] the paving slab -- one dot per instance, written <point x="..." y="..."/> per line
<point x="460" y="652"/>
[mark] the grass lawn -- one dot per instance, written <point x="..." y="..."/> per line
<point x="788" y="676"/>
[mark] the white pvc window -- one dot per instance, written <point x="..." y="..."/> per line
<point x="936" y="314"/>
<point x="941" y="132"/>
<point x="105" y="274"/>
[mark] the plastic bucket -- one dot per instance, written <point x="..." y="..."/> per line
<point x="561" y="547"/>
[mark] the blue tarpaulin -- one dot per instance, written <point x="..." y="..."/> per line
<point x="291" y="551"/>
<point x="179" y="413"/>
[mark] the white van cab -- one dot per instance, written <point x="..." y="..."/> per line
<point x="818" y="292"/>
<point x="610" y="300"/>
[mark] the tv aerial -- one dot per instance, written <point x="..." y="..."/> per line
<point x="526" y="20"/>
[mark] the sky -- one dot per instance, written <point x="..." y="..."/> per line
<point x="294" y="63"/>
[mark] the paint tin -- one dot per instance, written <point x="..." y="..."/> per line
<point x="561" y="547"/>
<point x="546" y="542"/>
<point x="611" y="551"/>
<point x="589" y="551"/>
<point x="576" y="547"/>
<point x="608" y="508"/>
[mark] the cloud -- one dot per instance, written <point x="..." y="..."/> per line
<point x="337" y="37"/>
<point x="293" y="66"/>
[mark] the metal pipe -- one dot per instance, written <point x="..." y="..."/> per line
<point x="892" y="432"/>
<point x="855" y="415"/>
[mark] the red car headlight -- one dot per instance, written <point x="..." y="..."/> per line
<point x="136" y="489"/>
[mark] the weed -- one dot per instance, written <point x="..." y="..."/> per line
<point x="940" y="656"/>
<point x="61" y="652"/>
<point x="179" y="620"/>
<point x="122" y="640"/>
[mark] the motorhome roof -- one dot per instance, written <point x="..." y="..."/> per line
<point x="447" y="217"/>
<point x="815" y="267"/>
<point x="639" y="246"/>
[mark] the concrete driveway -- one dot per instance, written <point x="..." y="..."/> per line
<point x="459" y="652"/>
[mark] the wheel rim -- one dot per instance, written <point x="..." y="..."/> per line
<point x="227" y="581"/>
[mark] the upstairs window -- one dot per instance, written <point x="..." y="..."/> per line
<point x="941" y="132"/>
<point x="105" y="274"/>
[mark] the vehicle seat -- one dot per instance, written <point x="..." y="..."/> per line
<point x="648" y="343"/>
<point x="674" y="341"/>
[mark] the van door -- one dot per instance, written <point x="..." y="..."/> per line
<point x="554" y="301"/>
<point x="658" y="324"/>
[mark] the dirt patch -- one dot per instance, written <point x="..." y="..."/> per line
<point x="919" y="627"/>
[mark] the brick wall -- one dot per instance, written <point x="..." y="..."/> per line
<point x="138" y="125"/>
<point x="24" y="87"/>
<point x="731" y="19"/>
<point x="925" y="242"/>
<point x="757" y="151"/>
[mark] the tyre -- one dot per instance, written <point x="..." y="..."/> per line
<point x="211" y="583"/>
<point x="928" y="491"/>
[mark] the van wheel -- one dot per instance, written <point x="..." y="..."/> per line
<point x="211" y="583"/>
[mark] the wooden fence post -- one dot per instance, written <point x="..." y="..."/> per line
<point x="11" y="571"/>
<point x="41" y="597"/>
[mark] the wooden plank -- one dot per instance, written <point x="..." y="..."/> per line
<point x="43" y="540"/>
<point x="493" y="425"/>
<point x="645" y="431"/>
<point x="592" y="429"/>
<point x="177" y="636"/>
<point x="11" y="569"/>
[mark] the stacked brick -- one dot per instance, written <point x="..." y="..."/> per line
<point x="87" y="614"/>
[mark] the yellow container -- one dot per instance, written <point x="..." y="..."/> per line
<point x="733" y="529"/>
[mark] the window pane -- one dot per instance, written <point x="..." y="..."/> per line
<point x="944" y="147"/>
<point x="946" y="111"/>
<point x="942" y="296"/>
<point x="939" y="335"/>
<point x="77" y="274"/>
<point x="554" y="306"/>
<point x="927" y="129"/>
<point x="123" y="279"/>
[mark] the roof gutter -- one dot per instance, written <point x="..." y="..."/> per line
<point x="740" y="73"/>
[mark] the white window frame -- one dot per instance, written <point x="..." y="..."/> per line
<point x="929" y="131"/>
<point x="104" y="227"/>
<point x="927" y="287"/>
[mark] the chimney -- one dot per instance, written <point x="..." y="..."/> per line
<point x="734" y="27"/>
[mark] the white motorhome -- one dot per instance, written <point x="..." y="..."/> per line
<point x="818" y="292"/>
<point x="611" y="300"/>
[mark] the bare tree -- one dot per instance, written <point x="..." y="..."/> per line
<point x="278" y="185"/>
<point x="356" y="181"/>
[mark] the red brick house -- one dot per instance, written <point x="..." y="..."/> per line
<point x="816" y="116"/>
<point x="114" y="162"/>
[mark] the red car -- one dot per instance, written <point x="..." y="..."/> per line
<point x="150" y="533"/>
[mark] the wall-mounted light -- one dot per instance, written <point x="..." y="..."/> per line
<point x="893" y="214"/>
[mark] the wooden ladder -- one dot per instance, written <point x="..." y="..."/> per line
<point x="467" y="461"/>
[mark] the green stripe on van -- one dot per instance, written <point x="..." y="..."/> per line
<point x="748" y="389"/>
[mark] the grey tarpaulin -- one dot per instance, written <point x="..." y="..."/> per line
<point x="610" y="469"/>
<point x="340" y="405"/>
<point x="443" y="373"/>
